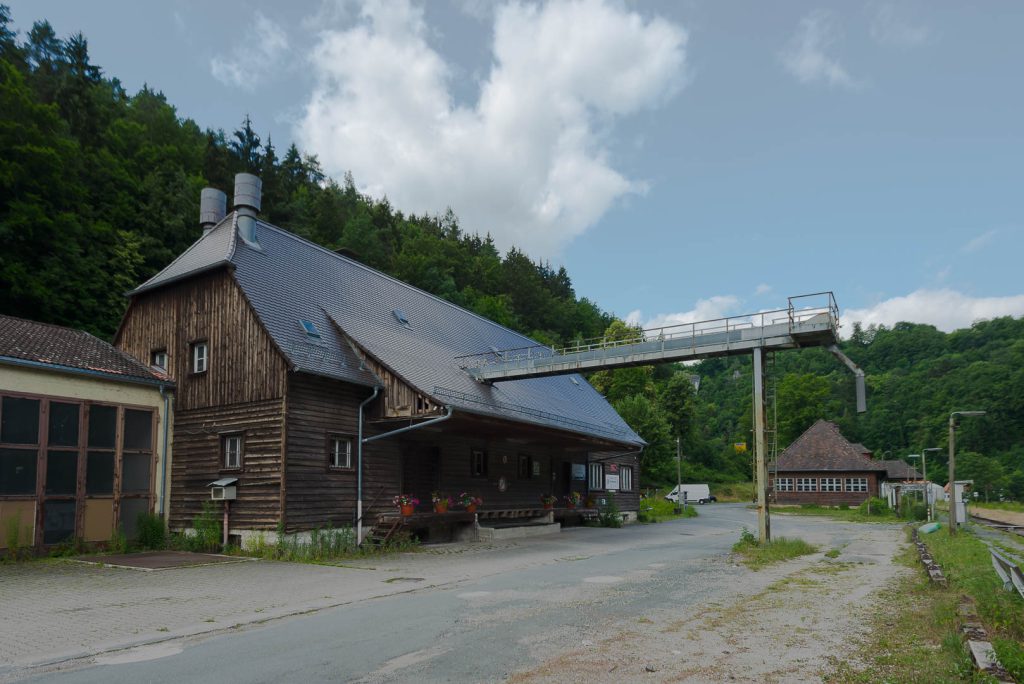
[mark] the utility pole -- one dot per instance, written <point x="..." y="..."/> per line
<point x="952" y="466"/>
<point x="761" y="467"/>
<point x="679" y="476"/>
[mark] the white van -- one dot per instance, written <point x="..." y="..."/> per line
<point x="693" y="493"/>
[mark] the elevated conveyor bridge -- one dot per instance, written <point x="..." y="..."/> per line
<point x="807" y="321"/>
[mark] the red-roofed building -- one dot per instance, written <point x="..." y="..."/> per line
<point x="84" y="436"/>
<point x="823" y="467"/>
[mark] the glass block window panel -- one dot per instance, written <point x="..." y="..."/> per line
<point x="99" y="472"/>
<point x="102" y="426"/>
<point x="58" y="521"/>
<point x="63" y="424"/>
<point x="831" y="484"/>
<point x="138" y="429"/>
<point x="806" y="484"/>
<point x="784" y="484"/>
<point x="18" y="471"/>
<point x="19" y="420"/>
<point x="62" y="472"/>
<point x="135" y="473"/>
<point x="856" y="484"/>
<point x="130" y="511"/>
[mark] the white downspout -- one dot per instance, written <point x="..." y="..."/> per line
<point x="163" y="471"/>
<point x="359" y="468"/>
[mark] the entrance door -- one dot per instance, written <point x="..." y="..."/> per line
<point x="421" y="472"/>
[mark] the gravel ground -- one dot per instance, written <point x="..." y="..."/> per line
<point x="786" y="624"/>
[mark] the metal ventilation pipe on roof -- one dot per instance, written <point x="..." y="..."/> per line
<point x="213" y="205"/>
<point x="248" y="194"/>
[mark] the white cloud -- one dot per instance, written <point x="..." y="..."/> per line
<point x="979" y="242"/>
<point x="762" y="289"/>
<point x="529" y="161"/>
<point x="889" y="28"/>
<point x="806" y="58"/>
<point x="945" y="309"/>
<point x="708" y="309"/>
<point x="254" y="58"/>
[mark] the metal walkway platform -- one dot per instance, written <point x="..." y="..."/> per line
<point x="807" y="321"/>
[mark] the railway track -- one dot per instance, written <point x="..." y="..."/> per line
<point x="995" y="524"/>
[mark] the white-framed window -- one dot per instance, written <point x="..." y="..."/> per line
<point x="856" y="484"/>
<point x="806" y="484"/>
<point x="596" y="471"/>
<point x="339" y="452"/>
<point x="784" y="484"/>
<point x="159" y="359"/>
<point x="831" y="484"/>
<point x="200" y="357"/>
<point x="626" y="478"/>
<point x="231" y="446"/>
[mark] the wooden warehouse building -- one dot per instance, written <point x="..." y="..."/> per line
<point x="275" y="343"/>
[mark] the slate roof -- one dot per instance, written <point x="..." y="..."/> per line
<point x="24" y="342"/>
<point x="288" y="278"/>
<point x="823" y="447"/>
<point x="900" y="470"/>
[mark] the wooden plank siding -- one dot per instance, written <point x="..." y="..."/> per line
<point x="197" y="462"/>
<point x="242" y="391"/>
<point x="244" y="364"/>
<point x="399" y="399"/>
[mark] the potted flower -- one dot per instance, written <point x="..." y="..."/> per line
<point x="572" y="499"/>
<point x="470" y="502"/>
<point x="441" y="501"/>
<point x="548" y="501"/>
<point x="406" y="503"/>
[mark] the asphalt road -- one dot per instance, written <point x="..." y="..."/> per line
<point x="479" y="630"/>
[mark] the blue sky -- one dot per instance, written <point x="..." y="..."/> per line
<point x="684" y="160"/>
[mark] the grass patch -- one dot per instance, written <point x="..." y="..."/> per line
<point x="734" y="491"/>
<point x="756" y="556"/>
<point x="914" y="639"/>
<point x="878" y="513"/>
<point x="655" y="508"/>
<point x="833" y="553"/>
<point x="324" y="546"/>
<point x="967" y="564"/>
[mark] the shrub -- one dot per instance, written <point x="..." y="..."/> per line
<point x="609" y="516"/>
<point x="12" y="538"/>
<point x="913" y="510"/>
<point x="874" y="506"/>
<point x="152" y="533"/>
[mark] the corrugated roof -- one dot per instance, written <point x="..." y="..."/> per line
<point x="823" y="447"/>
<point x="63" y="348"/>
<point x="289" y="278"/>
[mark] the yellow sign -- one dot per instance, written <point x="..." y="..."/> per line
<point x="740" y="447"/>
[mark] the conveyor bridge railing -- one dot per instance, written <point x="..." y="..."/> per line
<point x="807" y="320"/>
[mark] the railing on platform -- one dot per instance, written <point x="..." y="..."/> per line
<point x="698" y="333"/>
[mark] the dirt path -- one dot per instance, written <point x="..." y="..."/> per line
<point x="787" y="625"/>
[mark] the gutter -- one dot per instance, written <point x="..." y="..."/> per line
<point x="167" y="427"/>
<point x="366" y="440"/>
<point x="88" y="372"/>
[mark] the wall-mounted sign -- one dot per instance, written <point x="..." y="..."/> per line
<point x="611" y="482"/>
<point x="613" y="467"/>
<point x="579" y="471"/>
<point x="739" y="447"/>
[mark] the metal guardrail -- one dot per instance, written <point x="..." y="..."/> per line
<point x="697" y="333"/>
<point x="1008" y="571"/>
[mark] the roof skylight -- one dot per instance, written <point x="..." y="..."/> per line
<point x="310" y="328"/>
<point x="401" y="317"/>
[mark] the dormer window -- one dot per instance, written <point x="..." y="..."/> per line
<point x="159" y="360"/>
<point x="200" y="357"/>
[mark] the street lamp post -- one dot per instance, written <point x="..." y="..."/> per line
<point x="924" y="474"/>
<point x="952" y="465"/>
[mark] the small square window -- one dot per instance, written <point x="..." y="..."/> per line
<point x="159" y="360"/>
<point x="200" y="357"/>
<point x="478" y="463"/>
<point x="231" y="447"/>
<point x="340" y="452"/>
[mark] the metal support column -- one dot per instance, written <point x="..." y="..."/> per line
<point x="761" y="475"/>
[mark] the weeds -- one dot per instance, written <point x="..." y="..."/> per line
<point x="12" y="539"/>
<point x="322" y="546"/>
<point x="756" y="555"/>
<point x="878" y="513"/>
<point x="152" y="532"/>
<point x="656" y="508"/>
